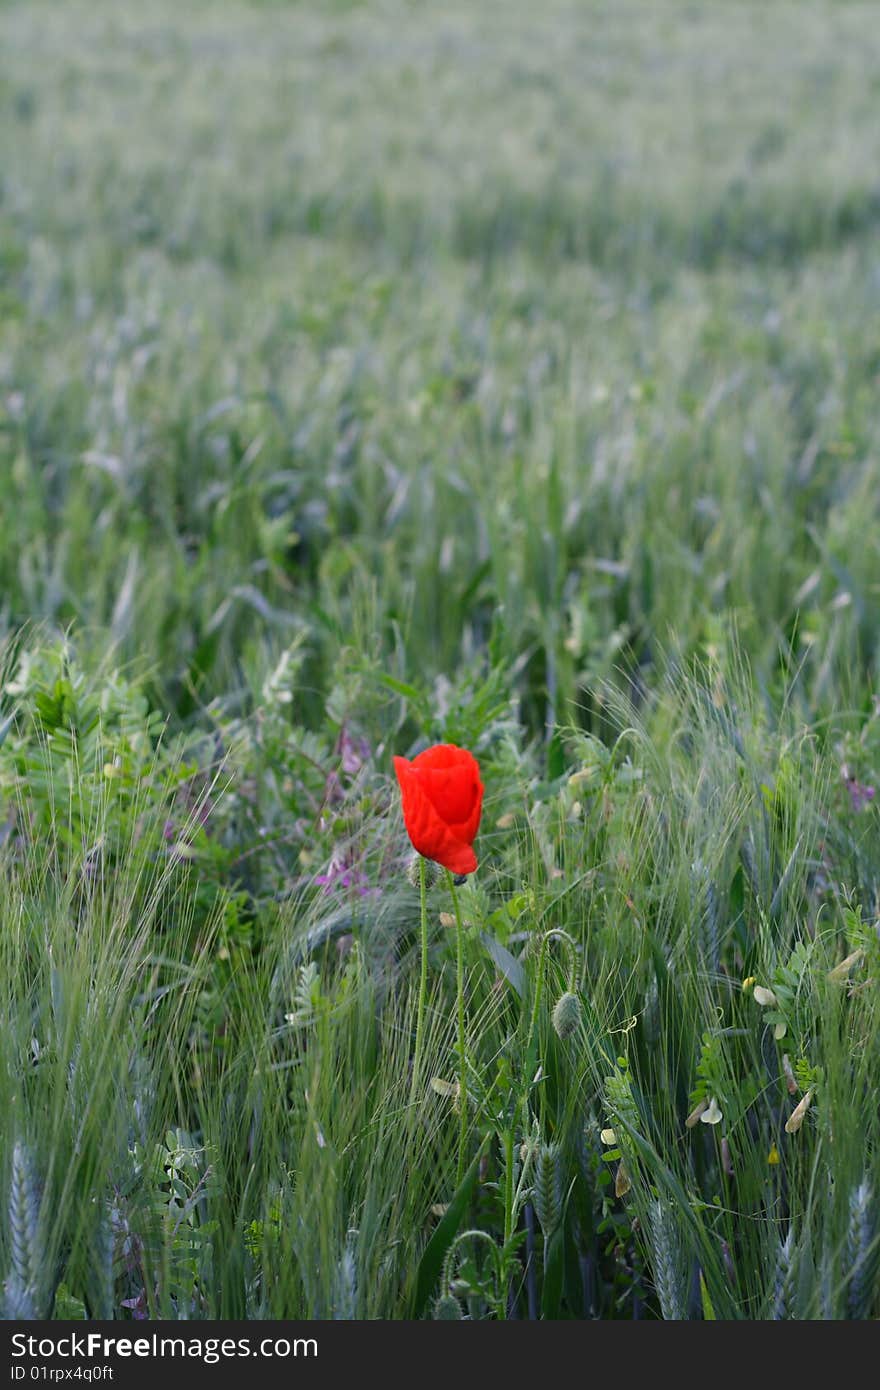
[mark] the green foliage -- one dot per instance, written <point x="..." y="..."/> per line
<point x="329" y="429"/>
<point x="711" y="1073"/>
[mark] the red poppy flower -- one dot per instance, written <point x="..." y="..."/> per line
<point x="442" y="799"/>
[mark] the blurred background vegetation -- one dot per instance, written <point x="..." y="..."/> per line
<point x="375" y="373"/>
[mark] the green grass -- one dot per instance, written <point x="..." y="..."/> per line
<point x="375" y="374"/>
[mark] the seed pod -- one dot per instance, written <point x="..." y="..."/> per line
<point x="696" y="1114"/>
<point x="622" y="1180"/>
<point x="845" y="968"/>
<point x="796" y="1118"/>
<point x="441" y="1087"/>
<point x="790" y="1078"/>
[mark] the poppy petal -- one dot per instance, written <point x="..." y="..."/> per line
<point x="453" y="793"/>
<point x="452" y="782"/>
<point x="441" y="795"/>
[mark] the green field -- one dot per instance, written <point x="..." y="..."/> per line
<point x="381" y="374"/>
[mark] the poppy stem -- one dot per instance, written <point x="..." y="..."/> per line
<point x="423" y="983"/>
<point x="462" y="1038"/>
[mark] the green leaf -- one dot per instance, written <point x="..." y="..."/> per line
<point x="408" y="692"/>
<point x="554" y="1273"/>
<point x="432" y="1257"/>
<point x="555" y="758"/>
<point x="68" y="1308"/>
<point x="482" y="572"/>
<point x="508" y="965"/>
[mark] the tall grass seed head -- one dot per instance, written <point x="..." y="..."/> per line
<point x="548" y="1187"/>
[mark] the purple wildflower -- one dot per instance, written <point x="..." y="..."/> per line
<point x="333" y="792"/>
<point x="137" y="1306"/>
<point x="860" y="794"/>
<point x="353" y="752"/>
<point x="343" y="872"/>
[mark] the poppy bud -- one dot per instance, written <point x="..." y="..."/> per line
<point x="566" y="1015"/>
<point x="447" y="1309"/>
<point x="413" y="875"/>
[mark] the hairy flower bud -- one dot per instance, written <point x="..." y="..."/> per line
<point x="432" y="871"/>
<point x="447" y="1309"/>
<point x="566" y="1015"/>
